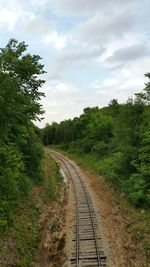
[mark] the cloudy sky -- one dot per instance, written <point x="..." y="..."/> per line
<point x="93" y="50"/>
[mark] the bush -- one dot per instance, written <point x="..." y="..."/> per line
<point x="101" y="148"/>
<point x="32" y="155"/>
<point x="14" y="185"/>
<point x="111" y="167"/>
<point x="135" y="189"/>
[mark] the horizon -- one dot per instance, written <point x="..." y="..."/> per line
<point x="92" y="54"/>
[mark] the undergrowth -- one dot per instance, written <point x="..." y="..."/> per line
<point x="18" y="246"/>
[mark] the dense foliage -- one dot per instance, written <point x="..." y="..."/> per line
<point x="118" y="137"/>
<point x="20" y="149"/>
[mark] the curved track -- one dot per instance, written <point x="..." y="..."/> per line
<point x="87" y="251"/>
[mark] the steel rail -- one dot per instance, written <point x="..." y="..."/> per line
<point x="64" y="160"/>
<point x="93" y="226"/>
<point x="76" y="200"/>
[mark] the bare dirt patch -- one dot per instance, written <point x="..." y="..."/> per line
<point x="52" y="237"/>
<point x="50" y="252"/>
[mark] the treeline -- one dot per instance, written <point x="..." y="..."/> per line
<point x="21" y="151"/>
<point x="116" y="138"/>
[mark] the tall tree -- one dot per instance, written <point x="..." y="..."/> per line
<point x="19" y="106"/>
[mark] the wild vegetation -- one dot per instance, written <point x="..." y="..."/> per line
<point x="116" y="139"/>
<point x="21" y="152"/>
<point x="20" y="244"/>
<point x="29" y="179"/>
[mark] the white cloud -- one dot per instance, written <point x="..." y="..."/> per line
<point x="7" y="18"/>
<point x="95" y="39"/>
<point x="129" y="53"/>
<point x="56" y="86"/>
<point x="10" y="17"/>
<point x="109" y="82"/>
<point x="44" y="30"/>
<point x="87" y="7"/>
<point x="13" y="13"/>
<point x="100" y="29"/>
<point x="37" y="25"/>
<point x="121" y="85"/>
<point x="60" y="101"/>
<point x="133" y="70"/>
<point x="55" y="39"/>
<point x="62" y="87"/>
<point x="82" y="41"/>
<point x="79" y="55"/>
<point x="40" y="3"/>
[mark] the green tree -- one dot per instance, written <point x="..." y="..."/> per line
<point x="19" y="107"/>
<point x="117" y="137"/>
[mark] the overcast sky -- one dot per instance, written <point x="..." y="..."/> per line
<point x="93" y="50"/>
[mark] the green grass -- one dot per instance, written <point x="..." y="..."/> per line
<point x="53" y="179"/>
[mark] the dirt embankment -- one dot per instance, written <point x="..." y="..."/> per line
<point x="50" y="251"/>
<point x="37" y="235"/>
<point x="53" y="235"/>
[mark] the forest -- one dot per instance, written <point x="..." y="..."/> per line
<point x="116" y="139"/>
<point x="21" y="151"/>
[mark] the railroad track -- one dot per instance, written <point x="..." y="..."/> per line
<point x="87" y="251"/>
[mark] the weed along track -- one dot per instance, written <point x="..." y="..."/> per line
<point x="87" y="251"/>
